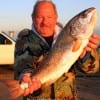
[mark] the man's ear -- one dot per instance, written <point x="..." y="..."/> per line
<point x="32" y="18"/>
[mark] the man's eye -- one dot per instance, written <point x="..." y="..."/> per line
<point x="49" y="17"/>
<point x="39" y="17"/>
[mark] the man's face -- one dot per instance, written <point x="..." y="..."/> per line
<point x="45" y="19"/>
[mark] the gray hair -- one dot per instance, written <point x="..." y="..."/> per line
<point x="42" y="1"/>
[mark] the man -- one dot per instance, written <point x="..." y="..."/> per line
<point x="31" y="44"/>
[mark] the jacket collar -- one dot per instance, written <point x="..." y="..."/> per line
<point x="57" y="31"/>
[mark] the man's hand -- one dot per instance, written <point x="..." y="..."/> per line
<point x="93" y="44"/>
<point x="33" y="84"/>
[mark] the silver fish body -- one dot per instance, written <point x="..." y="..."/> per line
<point x="62" y="56"/>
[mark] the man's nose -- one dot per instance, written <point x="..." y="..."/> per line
<point x="45" y="20"/>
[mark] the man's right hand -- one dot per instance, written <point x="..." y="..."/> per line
<point x="33" y="84"/>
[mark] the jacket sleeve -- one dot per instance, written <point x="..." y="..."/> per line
<point x="89" y="64"/>
<point x="24" y="59"/>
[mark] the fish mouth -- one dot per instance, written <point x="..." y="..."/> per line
<point x="94" y="17"/>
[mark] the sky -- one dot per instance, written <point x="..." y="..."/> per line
<point x="16" y="14"/>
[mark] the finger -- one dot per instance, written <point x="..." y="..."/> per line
<point x="31" y="88"/>
<point x="36" y="84"/>
<point x="91" y="46"/>
<point x="94" y="39"/>
<point x="26" y="91"/>
<point x="96" y="36"/>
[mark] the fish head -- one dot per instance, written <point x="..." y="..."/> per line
<point x="81" y="27"/>
<point x="88" y="21"/>
<point x="83" y="24"/>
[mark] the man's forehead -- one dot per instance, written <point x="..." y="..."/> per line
<point x="44" y="5"/>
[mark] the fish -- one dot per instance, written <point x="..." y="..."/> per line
<point x="68" y="47"/>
